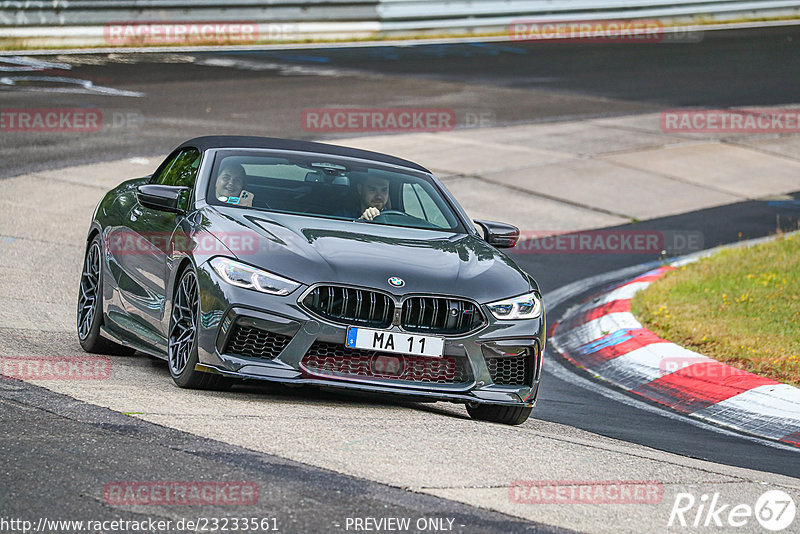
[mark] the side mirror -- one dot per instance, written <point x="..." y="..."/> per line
<point x="172" y="198"/>
<point x="498" y="234"/>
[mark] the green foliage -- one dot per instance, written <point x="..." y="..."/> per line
<point x="740" y="306"/>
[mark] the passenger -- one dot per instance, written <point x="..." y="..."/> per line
<point x="230" y="184"/>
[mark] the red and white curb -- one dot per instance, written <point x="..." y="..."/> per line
<point x="603" y="337"/>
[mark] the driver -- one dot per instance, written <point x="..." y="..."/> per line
<point x="373" y="195"/>
<point x="229" y="187"/>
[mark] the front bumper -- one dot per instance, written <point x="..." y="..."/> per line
<point x="482" y="355"/>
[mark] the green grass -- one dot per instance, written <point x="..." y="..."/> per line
<point x="21" y="43"/>
<point x="739" y="306"/>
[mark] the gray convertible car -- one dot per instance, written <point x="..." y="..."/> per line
<point x="307" y="263"/>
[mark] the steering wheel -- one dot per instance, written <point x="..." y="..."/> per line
<point x="392" y="212"/>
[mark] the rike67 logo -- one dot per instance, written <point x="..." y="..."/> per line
<point x="774" y="510"/>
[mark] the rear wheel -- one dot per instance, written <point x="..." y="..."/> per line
<point x="507" y="415"/>
<point x="90" y="306"/>
<point x="183" y="338"/>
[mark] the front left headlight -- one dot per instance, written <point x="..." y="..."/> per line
<point x="243" y="275"/>
<point x="528" y="306"/>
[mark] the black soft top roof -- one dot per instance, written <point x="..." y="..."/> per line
<point x="241" y="141"/>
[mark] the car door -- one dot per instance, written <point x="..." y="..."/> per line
<point x="149" y="234"/>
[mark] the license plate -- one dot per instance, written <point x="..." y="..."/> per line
<point x="396" y="342"/>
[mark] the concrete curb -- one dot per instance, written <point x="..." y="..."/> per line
<point x="601" y="336"/>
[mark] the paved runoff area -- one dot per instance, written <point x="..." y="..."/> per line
<point x="543" y="177"/>
<point x="577" y="175"/>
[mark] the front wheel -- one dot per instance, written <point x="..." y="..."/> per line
<point x="507" y="415"/>
<point x="183" y="338"/>
<point x="90" y="306"/>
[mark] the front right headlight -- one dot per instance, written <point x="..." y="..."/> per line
<point x="243" y="275"/>
<point x="528" y="306"/>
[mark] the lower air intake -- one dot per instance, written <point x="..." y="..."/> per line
<point x="330" y="359"/>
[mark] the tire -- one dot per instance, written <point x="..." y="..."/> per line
<point x="507" y="415"/>
<point x="182" y="340"/>
<point x="90" y="306"/>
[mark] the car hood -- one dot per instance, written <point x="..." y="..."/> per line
<point x="312" y="249"/>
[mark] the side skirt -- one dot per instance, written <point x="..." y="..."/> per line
<point x="130" y="343"/>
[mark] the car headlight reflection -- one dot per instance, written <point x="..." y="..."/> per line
<point x="243" y="275"/>
<point x="528" y="306"/>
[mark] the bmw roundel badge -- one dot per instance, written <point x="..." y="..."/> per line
<point x="397" y="282"/>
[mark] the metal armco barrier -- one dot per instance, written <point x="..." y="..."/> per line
<point x="463" y="13"/>
<point x="90" y="12"/>
<point x="86" y="22"/>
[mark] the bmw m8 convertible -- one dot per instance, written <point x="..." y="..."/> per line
<point x="247" y="258"/>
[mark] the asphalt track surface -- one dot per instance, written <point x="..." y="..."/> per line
<point x="63" y="441"/>
<point x="66" y="443"/>
<point x="262" y="93"/>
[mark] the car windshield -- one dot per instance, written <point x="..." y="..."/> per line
<point x="330" y="187"/>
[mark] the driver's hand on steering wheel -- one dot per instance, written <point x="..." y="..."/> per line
<point x="370" y="213"/>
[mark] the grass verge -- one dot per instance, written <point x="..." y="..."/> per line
<point x="740" y="306"/>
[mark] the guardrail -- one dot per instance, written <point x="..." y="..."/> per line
<point x="85" y="22"/>
<point x="570" y="9"/>
<point x="487" y="15"/>
<point x="91" y="12"/>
